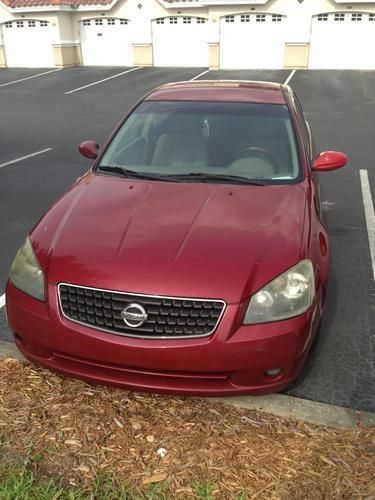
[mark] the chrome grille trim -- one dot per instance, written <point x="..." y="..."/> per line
<point x="144" y="299"/>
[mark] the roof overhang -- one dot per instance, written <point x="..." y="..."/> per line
<point x="169" y="4"/>
<point x="74" y="7"/>
<point x="87" y="5"/>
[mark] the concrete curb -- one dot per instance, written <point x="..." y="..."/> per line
<point x="9" y="350"/>
<point x="302" y="409"/>
<point x="276" y="404"/>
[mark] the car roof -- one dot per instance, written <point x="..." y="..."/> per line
<point x="220" y="90"/>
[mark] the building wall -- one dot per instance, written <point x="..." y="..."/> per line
<point x="52" y="18"/>
<point x="140" y="23"/>
<point x="296" y="55"/>
<point x="4" y="14"/>
<point x="66" y="25"/>
<point x="67" y="49"/>
<point x="4" y="17"/>
<point x="2" y="57"/>
<point x="140" y="17"/>
<point x="298" y="15"/>
<point x="143" y="54"/>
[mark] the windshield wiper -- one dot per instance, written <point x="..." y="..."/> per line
<point x="132" y="174"/>
<point x="202" y="177"/>
<point x="199" y="176"/>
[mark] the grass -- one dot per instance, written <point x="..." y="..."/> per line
<point x="63" y="439"/>
<point x="19" y="481"/>
<point x="203" y="490"/>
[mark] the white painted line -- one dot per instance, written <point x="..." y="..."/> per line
<point x="16" y="160"/>
<point x="200" y="74"/>
<point x="370" y="215"/>
<point x="29" y="77"/>
<point x="2" y="301"/>
<point x="290" y="77"/>
<point x="104" y="80"/>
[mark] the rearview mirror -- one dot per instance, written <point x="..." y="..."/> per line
<point x="89" y="149"/>
<point x="330" y="160"/>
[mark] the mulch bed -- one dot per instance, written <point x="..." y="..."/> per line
<point x="80" y="430"/>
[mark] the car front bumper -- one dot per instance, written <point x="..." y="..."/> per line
<point x="232" y="361"/>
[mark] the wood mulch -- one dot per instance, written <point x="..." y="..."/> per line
<point x="78" y="431"/>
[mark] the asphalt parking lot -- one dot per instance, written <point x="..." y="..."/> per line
<point x="49" y="112"/>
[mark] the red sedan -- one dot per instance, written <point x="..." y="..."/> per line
<point x="192" y="257"/>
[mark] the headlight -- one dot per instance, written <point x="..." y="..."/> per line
<point x="288" y="295"/>
<point x="26" y="273"/>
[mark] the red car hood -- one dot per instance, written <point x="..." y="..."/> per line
<point x="180" y="239"/>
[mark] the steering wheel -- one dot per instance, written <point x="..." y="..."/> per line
<point x="260" y="153"/>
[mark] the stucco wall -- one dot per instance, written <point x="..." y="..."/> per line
<point x="4" y="14"/>
<point x="143" y="55"/>
<point x="140" y="18"/>
<point x="213" y="56"/>
<point x="2" y="57"/>
<point x="66" y="55"/>
<point x="298" y="15"/>
<point x="65" y="27"/>
<point x="66" y="24"/>
<point x="296" y="55"/>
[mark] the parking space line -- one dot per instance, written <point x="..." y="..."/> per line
<point x="369" y="213"/>
<point x="2" y="301"/>
<point x="29" y="77"/>
<point x="104" y="80"/>
<point x="16" y="160"/>
<point x="200" y="74"/>
<point x="290" y="77"/>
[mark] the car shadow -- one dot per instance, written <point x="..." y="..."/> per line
<point x="324" y="332"/>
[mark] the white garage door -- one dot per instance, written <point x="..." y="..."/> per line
<point x="342" y="41"/>
<point x="106" y="42"/>
<point x="180" y="41"/>
<point x="28" y="44"/>
<point x="252" y="41"/>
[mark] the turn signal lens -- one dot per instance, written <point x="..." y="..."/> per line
<point x="26" y="273"/>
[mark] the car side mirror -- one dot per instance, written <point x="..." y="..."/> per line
<point x="89" y="149"/>
<point x="329" y="160"/>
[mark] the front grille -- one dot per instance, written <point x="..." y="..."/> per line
<point x="167" y="317"/>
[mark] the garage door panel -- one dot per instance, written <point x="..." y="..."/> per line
<point x="28" y="44"/>
<point x="342" y="41"/>
<point x="180" y="41"/>
<point x="252" y="41"/>
<point x="106" y="42"/>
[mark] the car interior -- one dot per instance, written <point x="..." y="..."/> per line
<point x="250" y="146"/>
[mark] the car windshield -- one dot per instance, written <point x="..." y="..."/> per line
<point x="203" y="141"/>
